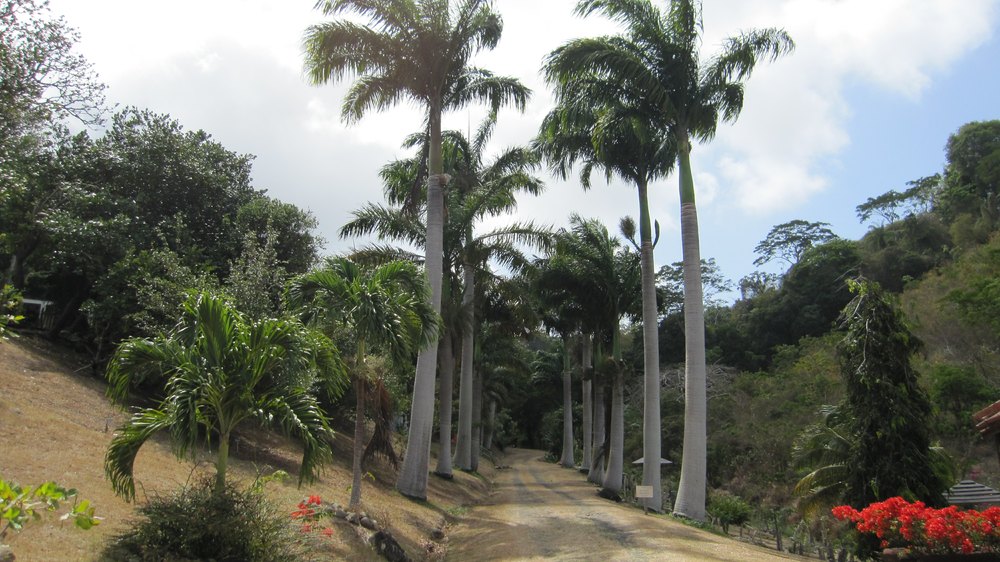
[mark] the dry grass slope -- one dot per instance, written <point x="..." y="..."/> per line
<point x="56" y="423"/>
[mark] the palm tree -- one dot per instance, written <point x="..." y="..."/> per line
<point x="222" y="370"/>
<point x="657" y="60"/>
<point x="590" y="269"/>
<point x="605" y="125"/>
<point x="480" y="189"/>
<point x="418" y="51"/>
<point x="488" y="188"/>
<point x="385" y="308"/>
<point x="826" y="449"/>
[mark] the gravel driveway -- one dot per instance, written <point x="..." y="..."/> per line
<point x="543" y="512"/>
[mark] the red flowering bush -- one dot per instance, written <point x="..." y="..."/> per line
<point x="308" y="514"/>
<point x="899" y="523"/>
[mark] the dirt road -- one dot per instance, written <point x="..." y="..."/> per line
<point x="543" y="512"/>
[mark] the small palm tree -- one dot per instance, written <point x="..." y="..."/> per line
<point x="384" y="307"/>
<point x="222" y="370"/>
<point x="656" y="61"/>
<point x="418" y="51"/>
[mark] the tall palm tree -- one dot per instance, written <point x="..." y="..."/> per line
<point x="385" y="308"/>
<point x="488" y="188"/>
<point x="480" y="188"/>
<point x="606" y="124"/>
<point x="418" y="51"/>
<point x="222" y="370"/>
<point x="591" y="268"/>
<point x="657" y="58"/>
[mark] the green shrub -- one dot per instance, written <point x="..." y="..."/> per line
<point x="10" y="303"/>
<point x="197" y="524"/>
<point x="729" y="509"/>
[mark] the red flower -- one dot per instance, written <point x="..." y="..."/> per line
<point x="897" y="522"/>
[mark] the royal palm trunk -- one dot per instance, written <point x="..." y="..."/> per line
<point x="613" y="477"/>
<point x="691" y="489"/>
<point x="463" y="449"/>
<point x="600" y="454"/>
<point x="651" y="359"/>
<point x="446" y="367"/>
<point x="477" y="417"/>
<point x="491" y="418"/>
<point x="412" y="481"/>
<point x="588" y="403"/>
<point x="616" y="439"/>
<point x="566" y="460"/>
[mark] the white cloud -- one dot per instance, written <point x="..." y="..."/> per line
<point x="796" y="115"/>
<point x="233" y="67"/>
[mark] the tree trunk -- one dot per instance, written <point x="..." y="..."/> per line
<point x="412" y="481"/>
<point x="691" y="489"/>
<point x="359" y="438"/>
<point x="463" y="449"/>
<point x="221" y="462"/>
<point x="491" y="418"/>
<point x="613" y="477"/>
<point x="566" y="460"/>
<point x="68" y="311"/>
<point x="600" y="453"/>
<point x="651" y="423"/>
<point x="588" y="403"/>
<point x="477" y="417"/>
<point x="446" y="367"/>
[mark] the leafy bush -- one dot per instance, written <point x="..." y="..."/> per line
<point x="729" y="509"/>
<point x="19" y="505"/>
<point x="10" y="302"/>
<point x="198" y="524"/>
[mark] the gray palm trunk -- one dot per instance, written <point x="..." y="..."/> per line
<point x="463" y="449"/>
<point x="566" y="460"/>
<point x="412" y="481"/>
<point x="691" y="489"/>
<point x="651" y="423"/>
<point x="491" y="418"/>
<point x="613" y="476"/>
<point x="446" y="368"/>
<point x="359" y="440"/>
<point x="588" y="404"/>
<point x="600" y="456"/>
<point x="477" y="417"/>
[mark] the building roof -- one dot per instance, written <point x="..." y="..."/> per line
<point x="988" y="419"/>
<point x="968" y="492"/>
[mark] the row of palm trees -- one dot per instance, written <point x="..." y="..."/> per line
<point x="629" y="104"/>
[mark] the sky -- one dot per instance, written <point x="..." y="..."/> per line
<point x="864" y="104"/>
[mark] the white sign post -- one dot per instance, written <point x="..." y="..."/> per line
<point x="643" y="492"/>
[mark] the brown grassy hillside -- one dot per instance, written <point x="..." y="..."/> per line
<point x="55" y="424"/>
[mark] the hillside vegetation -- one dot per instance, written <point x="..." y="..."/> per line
<point x="55" y="424"/>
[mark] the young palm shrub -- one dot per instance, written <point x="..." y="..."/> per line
<point x="221" y="371"/>
<point x="384" y="306"/>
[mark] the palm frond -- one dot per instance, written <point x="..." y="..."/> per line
<point x="119" y="461"/>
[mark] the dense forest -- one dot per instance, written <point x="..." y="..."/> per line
<point x="541" y="337"/>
